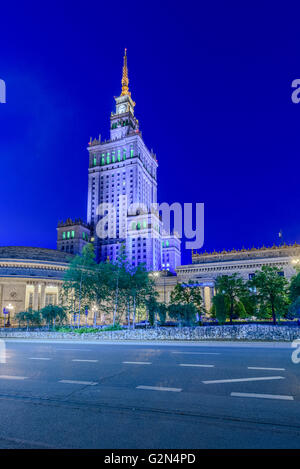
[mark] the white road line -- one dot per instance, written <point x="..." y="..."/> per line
<point x="159" y="388"/>
<point x="262" y="368"/>
<point x="89" y="361"/>
<point x="197" y="353"/>
<point x="13" y="377"/>
<point x="69" y="381"/>
<point x="138" y="363"/>
<point x="200" y="366"/>
<point x="39" y="358"/>
<point x="262" y="378"/>
<point x="262" y="396"/>
<point x="74" y="349"/>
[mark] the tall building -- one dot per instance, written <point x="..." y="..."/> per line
<point x="123" y="175"/>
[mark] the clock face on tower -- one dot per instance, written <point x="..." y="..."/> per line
<point x="122" y="109"/>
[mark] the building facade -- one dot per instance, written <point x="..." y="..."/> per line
<point x="206" y="267"/>
<point x="30" y="278"/>
<point x="122" y="196"/>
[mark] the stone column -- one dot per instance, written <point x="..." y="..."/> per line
<point x="207" y="298"/>
<point x="35" y="296"/>
<point x="43" y="295"/>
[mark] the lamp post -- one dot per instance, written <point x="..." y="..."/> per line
<point x="10" y="307"/>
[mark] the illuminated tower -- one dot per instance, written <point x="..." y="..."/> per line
<point x="123" y="166"/>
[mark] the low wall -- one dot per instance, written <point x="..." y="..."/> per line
<point x="238" y="332"/>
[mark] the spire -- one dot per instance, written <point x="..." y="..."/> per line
<point x="125" y="80"/>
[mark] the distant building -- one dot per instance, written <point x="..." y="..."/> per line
<point x="30" y="278"/>
<point x="72" y="236"/>
<point x="206" y="267"/>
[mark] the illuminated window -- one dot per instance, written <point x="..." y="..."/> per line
<point x="108" y="158"/>
<point x="119" y="155"/>
<point x="95" y="161"/>
<point x="72" y="234"/>
<point x="144" y="224"/>
<point x="68" y="234"/>
<point x="124" y="154"/>
<point x="167" y="243"/>
<point x="64" y="235"/>
<point x="133" y="226"/>
<point x="113" y="157"/>
<point x="138" y="226"/>
<point x="131" y="152"/>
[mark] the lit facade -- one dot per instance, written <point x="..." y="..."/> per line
<point x="123" y="174"/>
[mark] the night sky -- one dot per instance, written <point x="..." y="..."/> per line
<point x="212" y="86"/>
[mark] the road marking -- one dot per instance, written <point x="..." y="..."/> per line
<point x="39" y="358"/>
<point x="262" y="396"/>
<point x="197" y="353"/>
<point x="262" y="368"/>
<point x="138" y="363"/>
<point x="13" y="377"/>
<point x="75" y="349"/>
<point x="239" y="380"/>
<point x="201" y="366"/>
<point x="78" y="360"/>
<point x="69" y="381"/>
<point x="159" y="388"/>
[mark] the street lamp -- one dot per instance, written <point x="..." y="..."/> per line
<point x="10" y="307"/>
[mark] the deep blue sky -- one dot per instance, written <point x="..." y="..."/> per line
<point x="212" y="85"/>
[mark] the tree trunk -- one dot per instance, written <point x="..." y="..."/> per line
<point x="231" y="313"/>
<point x="128" y="313"/>
<point x="95" y="318"/>
<point x="116" y="302"/>
<point x="273" y="315"/>
<point x="134" y="311"/>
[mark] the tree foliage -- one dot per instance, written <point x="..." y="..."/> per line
<point x="185" y="294"/>
<point x="271" y="292"/>
<point x="233" y="290"/>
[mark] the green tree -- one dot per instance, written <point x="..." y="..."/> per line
<point x="53" y="313"/>
<point x="220" y="307"/>
<point x="272" y="292"/>
<point x="79" y="279"/>
<point x="233" y="289"/>
<point x="187" y="294"/>
<point x="294" y="309"/>
<point x="184" y="313"/>
<point x="30" y="318"/>
<point x="294" y="290"/>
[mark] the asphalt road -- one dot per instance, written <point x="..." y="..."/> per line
<point x="117" y="396"/>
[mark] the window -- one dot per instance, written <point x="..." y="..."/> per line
<point x="131" y="152"/>
<point x="95" y="161"/>
<point x="64" y="235"/>
<point x="72" y="234"/>
<point x="68" y="234"/>
<point x="124" y="154"/>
